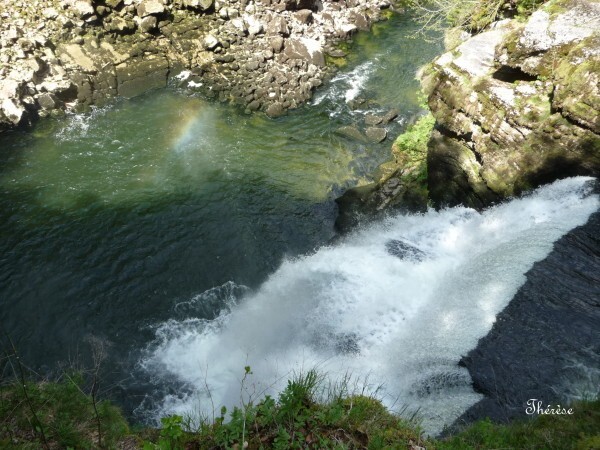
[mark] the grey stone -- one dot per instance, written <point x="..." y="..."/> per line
<point x="376" y="134"/>
<point x="148" y="23"/>
<point x="148" y="7"/>
<point x="275" y="110"/>
<point x="351" y="132"/>
<point x="372" y="119"/>
<point x="305" y="49"/>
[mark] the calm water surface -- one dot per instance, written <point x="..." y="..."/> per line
<point x="110" y="219"/>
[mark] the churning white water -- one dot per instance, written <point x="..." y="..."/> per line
<point x="396" y="303"/>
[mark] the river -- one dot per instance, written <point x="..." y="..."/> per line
<point x="192" y="240"/>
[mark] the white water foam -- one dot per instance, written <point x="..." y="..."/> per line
<point x="348" y="85"/>
<point x="402" y="322"/>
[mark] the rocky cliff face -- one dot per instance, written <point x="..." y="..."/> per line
<point x="266" y="54"/>
<point x="516" y="106"/>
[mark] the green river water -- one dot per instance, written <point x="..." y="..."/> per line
<point x="109" y="219"/>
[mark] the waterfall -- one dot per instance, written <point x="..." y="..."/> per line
<point x="396" y="304"/>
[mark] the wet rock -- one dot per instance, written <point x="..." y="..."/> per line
<point x="372" y="119"/>
<point x="404" y="250"/>
<point x="376" y="134"/>
<point x="351" y="132"/>
<point x="549" y="331"/>
<point x="275" y="110"/>
<point x="390" y="115"/>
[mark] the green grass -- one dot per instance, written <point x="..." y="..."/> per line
<point x="57" y="413"/>
<point x="308" y="414"/>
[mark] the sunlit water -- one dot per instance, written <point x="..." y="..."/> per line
<point x="111" y="219"/>
<point x="192" y="240"/>
<point x="357" y="308"/>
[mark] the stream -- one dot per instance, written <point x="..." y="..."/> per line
<point x="192" y="240"/>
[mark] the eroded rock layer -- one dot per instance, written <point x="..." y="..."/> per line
<point x="516" y="106"/>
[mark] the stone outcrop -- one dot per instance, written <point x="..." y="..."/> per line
<point x="265" y="55"/>
<point x="516" y="106"/>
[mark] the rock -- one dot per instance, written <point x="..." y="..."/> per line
<point x="255" y="26"/>
<point x="548" y="330"/>
<point x="404" y="250"/>
<point x="50" y="13"/>
<point x="113" y="3"/>
<point x="83" y="8"/>
<point x="148" y="23"/>
<point x="376" y="134"/>
<point x="516" y="106"/>
<point x="305" y="49"/>
<point x="304" y="16"/>
<point x="11" y="108"/>
<point x="346" y="30"/>
<point x="351" y="132"/>
<point x="203" y="5"/>
<point x="390" y="115"/>
<point x="47" y="101"/>
<point x="278" y="25"/>
<point x="210" y="42"/>
<point x="276" y="43"/>
<point x="254" y="105"/>
<point x="372" y="119"/>
<point x="275" y="110"/>
<point x="361" y="21"/>
<point x="148" y="7"/>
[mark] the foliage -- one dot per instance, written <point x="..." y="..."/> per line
<point x="470" y="15"/>
<point x="307" y="414"/>
<point x="579" y="431"/>
<point x="410" y="148"/>
<point x="414" y="140"/>
<point x="61" y="411"/>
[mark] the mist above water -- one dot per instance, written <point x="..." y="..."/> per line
<point x="396" y="303"/>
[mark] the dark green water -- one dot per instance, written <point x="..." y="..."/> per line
<point x="110" y="218"/>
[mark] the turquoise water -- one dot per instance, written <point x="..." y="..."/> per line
<point x="111" y="218"/>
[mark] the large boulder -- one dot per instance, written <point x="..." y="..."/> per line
<point x="305" y="49"/>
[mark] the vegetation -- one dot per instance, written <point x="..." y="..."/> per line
<point x="470" y="15"/>
<point x="410" y="150"/>
<point x="307" y="414"/>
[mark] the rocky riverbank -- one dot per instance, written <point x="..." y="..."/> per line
<point x="515" y="106"/>
<point x="264" y="55"/>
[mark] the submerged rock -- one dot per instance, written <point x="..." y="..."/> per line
<point x="376" y="134"/>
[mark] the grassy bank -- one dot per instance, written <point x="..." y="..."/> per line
<point x="62" y="415"/>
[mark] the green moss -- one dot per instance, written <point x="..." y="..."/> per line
<point x="335" y="61"/>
